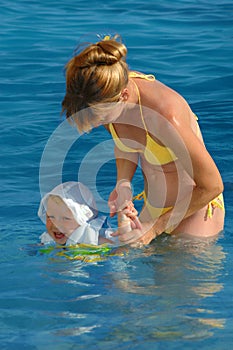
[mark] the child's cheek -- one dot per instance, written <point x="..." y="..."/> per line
<point x="49" y="224"/>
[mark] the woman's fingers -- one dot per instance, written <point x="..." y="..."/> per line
<point x="129" y="209"/>
<point x="137" y="223"/>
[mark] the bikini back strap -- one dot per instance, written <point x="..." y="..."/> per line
<point x="148" y="77"/>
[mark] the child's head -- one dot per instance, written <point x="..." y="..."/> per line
<point x="60" y="221"/>
<point x="65" y="208"/>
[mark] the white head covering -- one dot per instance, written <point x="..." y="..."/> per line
<point x="77" y="197"/>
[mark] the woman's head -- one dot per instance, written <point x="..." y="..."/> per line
<point x="95" y="77"/>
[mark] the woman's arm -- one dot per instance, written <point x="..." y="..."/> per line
<point x="198" y="163"/>
<point x="126" y="164"/>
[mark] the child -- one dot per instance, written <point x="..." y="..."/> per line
<point x="70" y="214"/>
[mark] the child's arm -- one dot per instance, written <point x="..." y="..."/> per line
<point x="103" y="240"/>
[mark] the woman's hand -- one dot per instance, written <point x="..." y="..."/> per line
<point x="138" y="236"/>
<point x="132" y="214"/>
<point x="112" y="202"/>
<point x="120" y="197"/>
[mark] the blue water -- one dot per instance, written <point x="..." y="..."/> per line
<point x="173" y="294"/>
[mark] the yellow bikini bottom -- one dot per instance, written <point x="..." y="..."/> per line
<point x="217" y="202"/>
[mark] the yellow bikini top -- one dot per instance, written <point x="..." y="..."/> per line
<point x="154" y="153"/>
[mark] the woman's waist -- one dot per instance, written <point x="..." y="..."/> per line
<point x="167" y="186"/>
<point x="165" y="193"/>
<point x="156" y="210"/>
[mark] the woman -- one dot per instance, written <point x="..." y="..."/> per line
<point x="152" y="125"/>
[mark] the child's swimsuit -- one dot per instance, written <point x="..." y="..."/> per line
<point x="156" y="154"/>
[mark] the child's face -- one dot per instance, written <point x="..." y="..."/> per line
<point x="60" y="222"/>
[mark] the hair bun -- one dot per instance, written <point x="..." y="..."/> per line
<point x="105" y="52"/>
<point x="112" y="51"/>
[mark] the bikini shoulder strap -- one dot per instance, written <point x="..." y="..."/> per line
<point x="140" y="106"/>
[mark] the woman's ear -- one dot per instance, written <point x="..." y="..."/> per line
<point x="124" y="95"/>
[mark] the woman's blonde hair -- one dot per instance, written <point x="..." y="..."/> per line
<point x="95" y="76"/>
